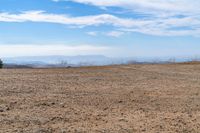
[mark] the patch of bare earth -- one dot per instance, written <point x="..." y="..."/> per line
<point x="112" y="99"/>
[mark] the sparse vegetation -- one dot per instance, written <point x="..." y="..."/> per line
<point x="63" y="63"/>
<point x="172" y="60"/>
<point x="195" y="58"/>
<point x="1" y="64"/>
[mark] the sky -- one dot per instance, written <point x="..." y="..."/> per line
<point x="114" y="28"/>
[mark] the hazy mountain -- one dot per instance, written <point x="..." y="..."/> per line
<point x="80" y="60"/>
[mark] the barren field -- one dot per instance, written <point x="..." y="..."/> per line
<point x="111" y="99"/>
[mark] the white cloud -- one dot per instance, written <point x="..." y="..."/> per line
<point x="158" y="17"/>
<point x="43" y="50"/>
<point x="178" y="6"/>
<point x="40" y="16"/>
<point x="92" y="33"/>
<point x="109" y="34"/>
<point x="188" y="25"/>
<point x="115" y="33"/>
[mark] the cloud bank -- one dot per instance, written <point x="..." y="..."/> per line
<point x="45" y="50"/>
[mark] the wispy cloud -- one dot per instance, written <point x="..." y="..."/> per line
<point x="115" y="33"/>
<point x="158" y="17"/>
<point x="151" y="6"/>
<point x="153" y="26"/>
<point x="108" y="34"/>
<point x="41" y="16"/>
<point x="92" y="33"/>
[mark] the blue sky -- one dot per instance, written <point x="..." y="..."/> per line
<point x="115" y="28"/>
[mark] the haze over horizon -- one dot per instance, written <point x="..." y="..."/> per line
<point x="113" y="28"/>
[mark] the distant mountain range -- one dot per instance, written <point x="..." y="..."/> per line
<point x="63" y="61"/>
<point x="80" y="60"/>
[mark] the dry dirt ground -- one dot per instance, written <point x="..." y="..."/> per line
<point x="111" y="99"/>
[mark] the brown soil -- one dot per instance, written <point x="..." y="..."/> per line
<point x="112" y="99"/>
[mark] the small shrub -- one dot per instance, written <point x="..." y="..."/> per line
<point x="1" y="64"/>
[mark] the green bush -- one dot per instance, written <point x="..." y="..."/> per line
<point x="1" y="64"/>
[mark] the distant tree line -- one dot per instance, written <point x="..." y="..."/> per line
<point x="1" y="64"/>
